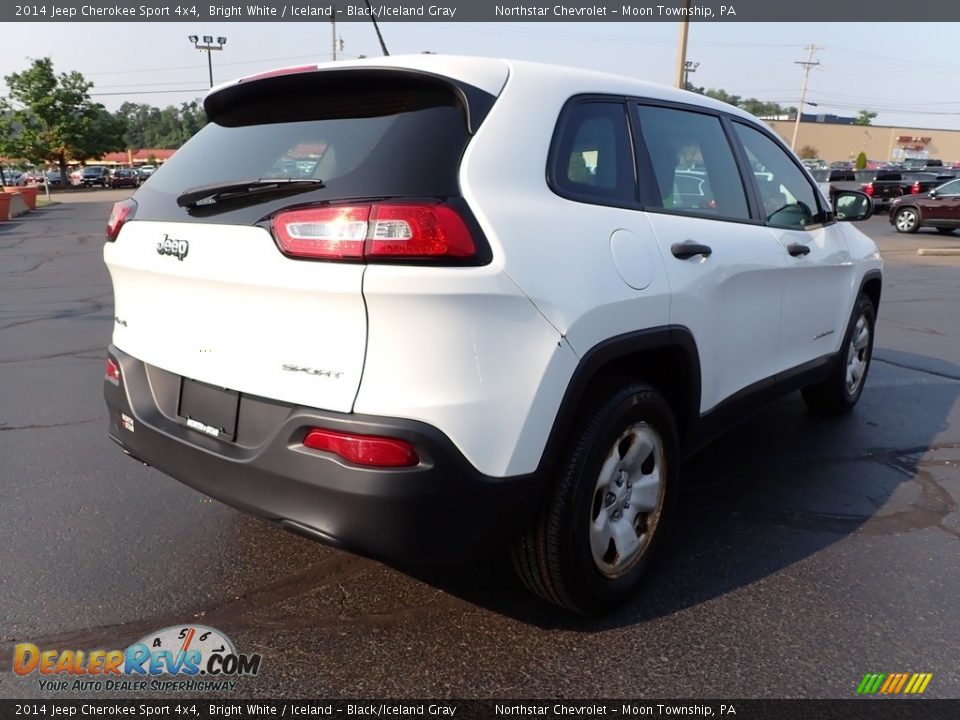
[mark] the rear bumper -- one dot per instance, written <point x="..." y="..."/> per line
<point x="440" y="511"/>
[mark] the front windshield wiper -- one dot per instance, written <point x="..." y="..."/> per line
<point x="217" y="192"/>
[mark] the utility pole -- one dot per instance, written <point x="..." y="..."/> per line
<point x="807" y="65"/>
<point x="682" y="49"/>
<point x="333" y="30"/>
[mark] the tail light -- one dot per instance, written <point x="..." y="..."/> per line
<point x="915" y="190"/>
<point x="122" y="211"/>
<point x="371" y="450"/>
<point x="112" y="372"/>
<point x="382" y="231"/>
<point x="868" y="189"/>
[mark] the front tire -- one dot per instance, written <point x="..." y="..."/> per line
<point x="841" y="390"/>
<point x="607" y="510"/>
<point x="907" y="220"/>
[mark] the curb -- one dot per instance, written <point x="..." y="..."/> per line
<point x="938" y="251"/>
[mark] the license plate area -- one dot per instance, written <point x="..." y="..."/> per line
<point x="209" y="409"/>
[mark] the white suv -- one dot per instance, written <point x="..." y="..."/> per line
<point x="420" y="306"/>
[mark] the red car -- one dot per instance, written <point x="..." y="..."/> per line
<point x="124" y="178"/>
<point x="939" y="208"/>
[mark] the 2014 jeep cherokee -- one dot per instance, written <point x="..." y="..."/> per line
<point x="482" y="312"/>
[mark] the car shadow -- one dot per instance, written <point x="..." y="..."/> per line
<point x="779" y="488"/>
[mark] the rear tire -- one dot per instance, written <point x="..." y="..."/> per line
<point x="841" y="390"/>
<point x="609" y="505"/>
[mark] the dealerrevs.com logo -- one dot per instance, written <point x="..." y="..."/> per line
<point x="177" y="658"/>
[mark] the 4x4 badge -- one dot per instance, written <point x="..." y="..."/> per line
<point x="177" y="248"/>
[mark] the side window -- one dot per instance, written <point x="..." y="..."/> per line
<point x="951" y="188"/>
<point x="592" y="157"/>
<point x="787" y="196"/>
<point x="693" y="164"/>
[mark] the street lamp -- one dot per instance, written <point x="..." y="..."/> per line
<point x="209" y="47"/>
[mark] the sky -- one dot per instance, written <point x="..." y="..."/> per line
<point x="906" y="72"/>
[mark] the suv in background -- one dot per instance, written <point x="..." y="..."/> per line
<point x="145" y="171"/>
<point x="95" y="175"/>
<point x="449" y="334"/>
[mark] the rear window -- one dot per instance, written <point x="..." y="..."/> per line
<point x="363" y="140"/>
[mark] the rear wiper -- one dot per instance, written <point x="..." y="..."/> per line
<point x="217" y="192"/>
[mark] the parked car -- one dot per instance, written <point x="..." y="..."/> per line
<point x="12" y="178"/>
<point x="145" y="171"/>
<point x="939" y="208"/>
<point x="453" y="335"/>
<point x="53" y="178"/>
<point x="95" y="175"/>
<point x="881" y="185"/>
<point x="124" y="177"/>
<point x="918" y="183"/>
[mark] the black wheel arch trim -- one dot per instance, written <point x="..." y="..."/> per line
<point x="675" y="338"/>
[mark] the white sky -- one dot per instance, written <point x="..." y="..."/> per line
<point x="907" y="72"/>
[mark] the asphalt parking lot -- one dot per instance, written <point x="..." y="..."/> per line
<point x="807" y="552"/>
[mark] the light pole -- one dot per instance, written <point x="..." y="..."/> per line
<point x="689" y="66"/>
<point x="209" y="47"/>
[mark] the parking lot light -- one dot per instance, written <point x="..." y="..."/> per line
<point x="209" y="47"/>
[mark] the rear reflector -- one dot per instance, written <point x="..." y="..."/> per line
<point x="122" y="211"/>
<point x="112" y="371"/>
<point x="369" y="450"/>
<point x="373" y="232"/>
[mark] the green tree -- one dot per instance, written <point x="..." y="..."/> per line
<point x="865" y="117"/>
<point x="861" y="162"/>
<point x="151" y="127"/>
<point x="51" y="118"/>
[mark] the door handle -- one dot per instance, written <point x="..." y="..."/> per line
<point x="689" y="249"/>
<point x="798" y="249"/>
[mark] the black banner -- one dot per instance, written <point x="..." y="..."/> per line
<point x="855" y="709"/>
<point x="478" y="11"/>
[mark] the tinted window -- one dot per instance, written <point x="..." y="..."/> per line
<point x="951" y="188"/>
<point x="692" y="162"/>
<point x="592" y="157"/>
<point x="365" y="142"/>
<point x="788" y="198"/>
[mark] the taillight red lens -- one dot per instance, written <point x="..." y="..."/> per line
<point x="398" y="230"/>
<point x="122" y="211"/>
<point x="112" y="371"/>
<point x="373" y="232"/>
<point x="915" y="190"/>
<point x="869" y="189"/>
<point x="371" y="450"/>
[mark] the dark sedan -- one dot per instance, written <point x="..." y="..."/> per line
<point x="124" y="178"/>
<point x="939" y="208"/>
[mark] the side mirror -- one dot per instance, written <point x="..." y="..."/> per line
<point x="932" y="194"/>
<point x="852" y="205"/>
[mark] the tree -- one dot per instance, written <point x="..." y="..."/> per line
<point x="861" y="162"/>
<point x="56" y="121"/>
<point x="171" y="127"/>
<point x="808" y="152"/>
<point x="864" y="117"/>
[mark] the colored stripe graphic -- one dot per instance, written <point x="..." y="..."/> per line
<point x="870" y="683"/>
<point x="894" y="683"/>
